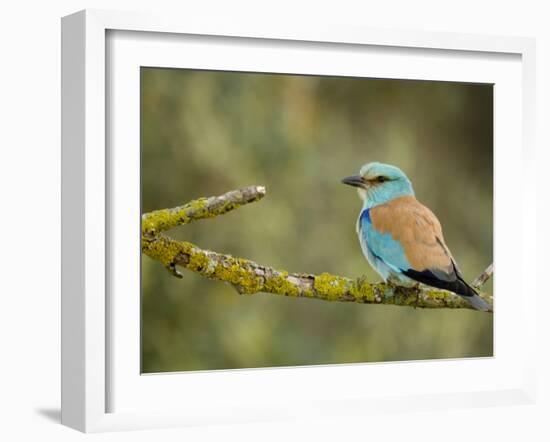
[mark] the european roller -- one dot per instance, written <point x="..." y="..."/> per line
<point x="401" y="238"/>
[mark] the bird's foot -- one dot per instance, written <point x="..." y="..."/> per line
<point x="416" y="289"/>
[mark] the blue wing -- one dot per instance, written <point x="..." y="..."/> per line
<point x="384" y="253"/>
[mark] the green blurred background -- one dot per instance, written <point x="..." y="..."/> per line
<point x="204" y="133"/>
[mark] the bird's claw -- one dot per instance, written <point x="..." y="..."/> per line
<point x="416" y="288"/>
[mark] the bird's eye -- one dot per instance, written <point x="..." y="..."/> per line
<point x="381" y="179"/>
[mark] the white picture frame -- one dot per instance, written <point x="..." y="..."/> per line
<point x="90" y="360"/>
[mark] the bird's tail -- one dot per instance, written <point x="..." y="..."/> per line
<point x="474" y="299"/>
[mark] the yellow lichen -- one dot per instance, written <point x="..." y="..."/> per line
<point x="362" y="290"/>
<point x="198" y="261"/>
<point x="330" y="287"/>
<point x="162" y="251"/>
<point x="279" y="284"/>
<point x="165" y="219"/>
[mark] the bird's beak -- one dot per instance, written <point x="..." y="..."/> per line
<point x="355" y="181"/>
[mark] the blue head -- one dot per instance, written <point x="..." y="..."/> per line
<point x="378" y="183"/>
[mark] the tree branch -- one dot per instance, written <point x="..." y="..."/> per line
<point x="484" y="277"/>
<point x="249" y="277"/>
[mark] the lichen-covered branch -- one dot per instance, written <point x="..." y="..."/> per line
<point x="249" y="277"/>
<point x="484" y="277"/>
<point x="165" y="219"/>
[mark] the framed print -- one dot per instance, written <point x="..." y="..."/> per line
<point x="303" y="141"/>
<point x="170" y="123"/>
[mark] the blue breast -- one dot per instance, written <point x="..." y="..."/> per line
<point x="381" y="245"/>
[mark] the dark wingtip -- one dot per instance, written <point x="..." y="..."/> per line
<point x="458" y="286"/>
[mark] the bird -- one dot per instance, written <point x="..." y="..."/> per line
<point x="401" y="238"/>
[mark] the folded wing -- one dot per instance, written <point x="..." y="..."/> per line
<point x="407" y="236"/>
